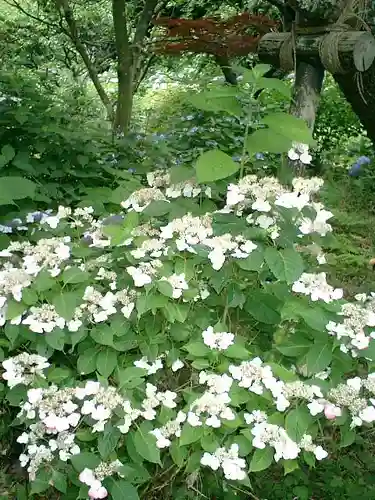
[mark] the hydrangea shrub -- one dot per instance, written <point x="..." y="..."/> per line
<point x="183" y="343"/>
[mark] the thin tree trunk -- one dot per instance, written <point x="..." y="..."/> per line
<point x="124" y="68"/>
<point x="64" y="7"/>
<point x="306" y="96"/>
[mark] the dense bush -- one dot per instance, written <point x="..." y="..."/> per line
<point x="185" y="341"/>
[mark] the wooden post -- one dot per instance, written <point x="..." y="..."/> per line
<point x="356" y="49"/>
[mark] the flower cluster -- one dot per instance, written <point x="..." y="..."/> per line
<point x="233" y="466"/>
<point x="316" y="286"/>
<point x="94" y="478"/>
<point x="354" y="332"/>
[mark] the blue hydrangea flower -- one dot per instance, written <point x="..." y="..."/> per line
<point x="259" y="156"/>
<point x="356" y="169"/>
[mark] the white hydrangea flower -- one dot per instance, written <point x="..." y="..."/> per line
<point x="217" y="340"/>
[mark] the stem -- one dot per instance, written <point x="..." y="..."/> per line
<point x="248" y="121"/>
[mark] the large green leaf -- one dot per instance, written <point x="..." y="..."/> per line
<point x="16" y="188"/>
<point x="267" y="140"/>
<point x="215" y="165"/>
<point x="287" y="265"/>
<point x="290" y="126"/>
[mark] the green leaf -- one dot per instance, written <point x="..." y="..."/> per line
<point x="290" y="126"/>
<point x="318" y="357"/>
<point x="57" y="374"/>
<point x="8" y="152"/>
<point x="66" y="303"/>
<point x="253" y="262"/>
<point x="102" y="335"/>
<point x="56" y="339"/>
<point x="178" y="453"/>
<point x="267" y="141"/>
<point x="16" y="395"/>
<point x="275" y="84"/>
<point x="14" y="309"/>
<point x="296" y="345"/>
<point x="84" y="460"/>
<point x="297" y="423"/>
<point x="236" y="351"/>
<point x="59" y="481"/>
<point x="106" y="361"/>
<point x="190" y="434"/>
<point x="347" y="436"/>
<point x="75" y="275"/>
<point x="145" y="443"/>
<point x="217" y="99"/>
<point x="126" y="377"/>
<point x="261" y="459"/>
<point x="197" y="349"/>
<point x="16" y="188"/>
<point x="286" y="265"/>
<point x="290" y="466"/>
<point x="85" y="435"/>
<point x="121" y="489"/>
<point x="165" y="288"/>
<point x="107" y="440"/>
<point x="43" y="282"/>
<point x="157" y="208"/>
<point x="214" y="165"/>
<point x="86" y="362"/>
<point x="11" y="332"/>
<point x="263" y="307"/>
<point x="176" y="312"/>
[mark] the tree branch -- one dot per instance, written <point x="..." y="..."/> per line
<point x="73" y="33"/>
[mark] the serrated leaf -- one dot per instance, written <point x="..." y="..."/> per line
<point x="286" y="265"/>
<point x="214" y="165"/>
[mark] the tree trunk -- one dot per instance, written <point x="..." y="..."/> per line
<point x="356" y="79"/>
<point x="359" y="90"/>
<point x="125" y="68"/>
<point x="306" y="96"/>
<point x="225" y="66"/>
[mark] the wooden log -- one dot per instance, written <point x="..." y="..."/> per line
<point x="356" y="49"/>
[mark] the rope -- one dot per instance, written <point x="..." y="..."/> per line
<point x="349" y="19"/>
